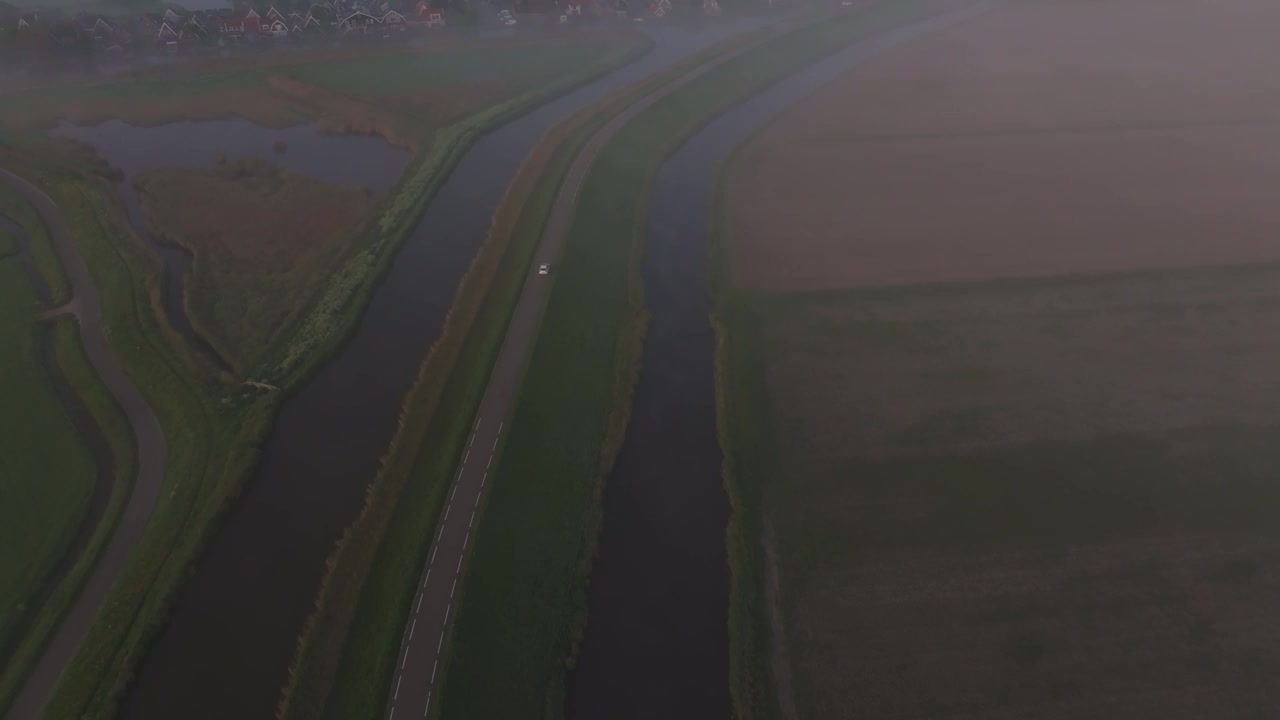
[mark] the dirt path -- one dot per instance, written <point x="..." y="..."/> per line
<point x="415" y="678"/>
<point x="87" y="308"/>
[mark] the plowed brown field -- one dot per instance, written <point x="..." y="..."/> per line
<point x="1045" y="138"/>
<point x="1018" y="457"/>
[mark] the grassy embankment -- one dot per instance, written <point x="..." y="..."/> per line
<point x="245" y="285"/>
<point x="744" y="428"/>
<point x="214" y="431"/>
<point x="353" y="634"/>
<point x="49" y="475"/>
<point x="507" y="659"/>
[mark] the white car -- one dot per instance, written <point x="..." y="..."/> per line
<point x="544" y="268"/>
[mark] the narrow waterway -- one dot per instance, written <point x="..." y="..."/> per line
<point x="656" y="643"/>
<point x="357" y="161"/>
<point x="232" y="632"/>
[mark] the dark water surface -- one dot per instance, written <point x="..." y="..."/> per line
<point x="233" y="629"/>
<point x="357" y="161"/>
<point x="656" y="643"/>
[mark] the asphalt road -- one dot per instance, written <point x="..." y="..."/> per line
<point x="414" y="683"/>
<point x="86" y="306"/>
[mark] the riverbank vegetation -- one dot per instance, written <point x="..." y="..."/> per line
<point x="214" y="429"/>
<point x="245" y="283"/>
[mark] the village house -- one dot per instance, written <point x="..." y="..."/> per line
<point x="358" y="22"/>
<point x="119" y="41"/>
<point x="299" y="23"/>
<point x="393" y="21"/>
<point x="166" y="34"/>
<point x="428" y="15"/>
<point x="232" y="27"/>
<point x="96" y="28"/>
<point x="276" y="26"/>
<point x="194" y="30"/>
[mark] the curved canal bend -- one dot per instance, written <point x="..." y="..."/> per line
<point x="149" y="442"/>
<point x="656" y="643"/>
<point x="232" y="632"/>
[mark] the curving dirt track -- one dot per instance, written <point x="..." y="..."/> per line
<point x="86" y="306"/>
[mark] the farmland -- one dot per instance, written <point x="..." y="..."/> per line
<point x="998" y="382"/>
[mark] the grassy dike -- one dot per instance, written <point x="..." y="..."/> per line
<point x="745" y="435"/>
<point x="214" y="430"/>
<point x="355" y="631"/>
<point x="64" y="356"/>
<point x="523" y="597"/>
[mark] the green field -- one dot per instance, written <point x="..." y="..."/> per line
<point x="962" y="492"/>
<point x="8" y="244"/>
<point x="441" y="80"/>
